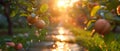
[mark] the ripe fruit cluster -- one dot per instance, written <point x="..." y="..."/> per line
<point x="36" y="22"/>
<point x="18" y="46"/>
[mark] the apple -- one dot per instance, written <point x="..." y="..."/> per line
<point x="40" y="24"/>
<point x="118" y="10"/>
<point x="102" y="26"/>
<point x="19" y="46"/>
<point x="12" y="44"/>
<point x="31" y="19"/>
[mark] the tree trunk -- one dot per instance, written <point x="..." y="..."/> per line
<point x="7" y="14"/>
<point x="10" y="32"/>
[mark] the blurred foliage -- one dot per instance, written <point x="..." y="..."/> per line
<point x="3" y="22"/>
<point x="27" y="39"/>
<point x="110" y="42"/>
<point x="20" y="9"/>
<point x="24" y="8"/>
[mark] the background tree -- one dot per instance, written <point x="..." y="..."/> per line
<point x="16" y="8"/>
<point x="6" y="11"/>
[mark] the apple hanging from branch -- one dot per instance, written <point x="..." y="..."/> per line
<point x="31" y="19"/>
<point x="102" y="26"/>
<point x="40" y="24"/>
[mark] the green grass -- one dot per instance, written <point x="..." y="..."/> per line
<point x="110" y="42"/>
<point x="16" y="30"/>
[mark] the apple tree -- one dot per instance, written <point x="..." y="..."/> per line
<point x="26" y="8"/>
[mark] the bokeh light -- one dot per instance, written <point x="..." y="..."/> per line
<point x="61" y="30"/>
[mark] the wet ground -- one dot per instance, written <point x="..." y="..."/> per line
<point x="59" y="39"/>
<point x="56" y="46"/>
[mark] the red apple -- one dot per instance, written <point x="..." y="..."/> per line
<point x="102" y="26"/>
<point x="19" y="46"/>
<point x="118" y="10"/>
<point x="40" y="24"/>
<point x="12" y="44"/>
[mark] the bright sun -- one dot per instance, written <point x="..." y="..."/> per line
<point x="61" y="3"/>
<point x="66" y="3"/>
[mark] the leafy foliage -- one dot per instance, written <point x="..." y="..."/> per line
<point x="109" y="42"/>
<point x="25" y="8"/>
<point x="3" y="22"/>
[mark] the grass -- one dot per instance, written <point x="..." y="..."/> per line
<point x="110" y="42"/>
<point x="15" y="30"/>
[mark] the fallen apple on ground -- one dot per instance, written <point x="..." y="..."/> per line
<point x="12" y="44"/>
<point x="18" y="46"/>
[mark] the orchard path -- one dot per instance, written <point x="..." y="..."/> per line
<point x="58" y="39"/>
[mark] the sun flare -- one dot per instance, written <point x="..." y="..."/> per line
<point x="66" y="3"/>
<point x="61" y="3"/>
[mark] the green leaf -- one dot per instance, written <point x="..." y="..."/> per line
<point x="108" y="38"/>
<point x="29" y="9"/>
<point x="13" y="14"/>
<point x="14" y="10"/>
<point x="43" y="8"/>
<point x="23" y="14"/>
<point x="46" y="19"/>
<point x="1" y="9"/>
<point x="109" y="16"/>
